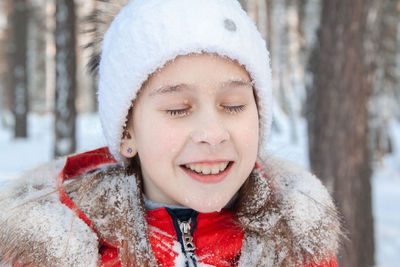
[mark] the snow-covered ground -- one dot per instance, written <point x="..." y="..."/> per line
<point x="17" y="156"/>
<point x="386" y="205"/>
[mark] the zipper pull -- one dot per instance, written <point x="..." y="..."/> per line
<point x="187" y="238"/>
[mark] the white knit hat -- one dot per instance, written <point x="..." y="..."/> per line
<point x="146" y="34"/>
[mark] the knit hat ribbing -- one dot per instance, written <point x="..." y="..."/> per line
<point x="146" y="34"/>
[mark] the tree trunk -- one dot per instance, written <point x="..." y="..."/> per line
<point x="338" y="119"/>
<point x="383" y="25"/>
<point x="5" y="61"/>
<point x="65" y="111"/>
<point x="243" y="3"/>
<point x="86" y="83"/>
<point x="19" y="81"/>
<point x="37" y="56"/>
<point x="268" y="7"/>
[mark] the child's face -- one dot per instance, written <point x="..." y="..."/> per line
<point x="198" y="112"/>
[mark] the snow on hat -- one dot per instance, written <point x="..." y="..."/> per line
<point x="146" y="34"/>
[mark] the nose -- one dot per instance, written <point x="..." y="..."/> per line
<point x="210" y="130"/>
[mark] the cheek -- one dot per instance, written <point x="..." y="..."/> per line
<point x="247" y="133"/>
<point x="158" y="140"/>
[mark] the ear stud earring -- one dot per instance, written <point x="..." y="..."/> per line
<point x="129" y="150"/>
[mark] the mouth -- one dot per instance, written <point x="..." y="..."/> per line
<point x="208" y="172"/>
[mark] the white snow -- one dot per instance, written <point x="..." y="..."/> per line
<point x="386" y="204"/>
<point x="20" y="155"/>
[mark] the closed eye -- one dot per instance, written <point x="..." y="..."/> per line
<point x="185" y="111"/>
<point x="178" y="112"/>
<point x="234" y="109"/>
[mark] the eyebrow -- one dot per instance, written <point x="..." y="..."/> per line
<point x="181" y="87"/>
<point x="237" y="83"/>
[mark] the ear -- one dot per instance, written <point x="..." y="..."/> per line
<point x="127" y="147"/>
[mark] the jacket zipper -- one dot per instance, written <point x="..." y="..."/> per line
<point x="185" y="223"/>
<point x="187" y="238"/>
<point x="187" y="242"/>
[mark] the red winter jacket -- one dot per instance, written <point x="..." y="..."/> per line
<point x="214" y="238"/>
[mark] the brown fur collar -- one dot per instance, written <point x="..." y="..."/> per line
<point x="289" y="212"/>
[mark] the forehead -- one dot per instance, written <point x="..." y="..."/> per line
<point x="197" y="70"/>
<point x="165" y="89"/>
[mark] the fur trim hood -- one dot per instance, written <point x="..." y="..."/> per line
<point x="285" y="210"/>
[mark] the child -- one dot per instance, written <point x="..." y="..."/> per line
<point x="185" y="104"/>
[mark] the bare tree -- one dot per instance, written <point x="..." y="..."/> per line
<point x="5" y="60"/>
<point x="87" y="83"/>
<point x="243" y="3"/>
<point x="19" y="81"/>
<point x="268" y="9"/>
<point x="65" y="111"/>
<point x="383" y="25"/>
<point x="338" y="121"/>
<point x="37" y="55"/>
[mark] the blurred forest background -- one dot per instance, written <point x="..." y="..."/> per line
<point x="335" y="65"/>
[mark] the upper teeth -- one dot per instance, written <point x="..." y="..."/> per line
<point x="206" y="168"/>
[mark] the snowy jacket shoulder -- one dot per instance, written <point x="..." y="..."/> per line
<point x="287" y="216"/>
<point x="36" y="228"/>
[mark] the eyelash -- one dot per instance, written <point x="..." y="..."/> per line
<point x="185" y="111"/>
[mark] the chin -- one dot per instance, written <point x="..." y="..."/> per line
<point x="206" y="204"/>
<point x="208" y="209"/>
